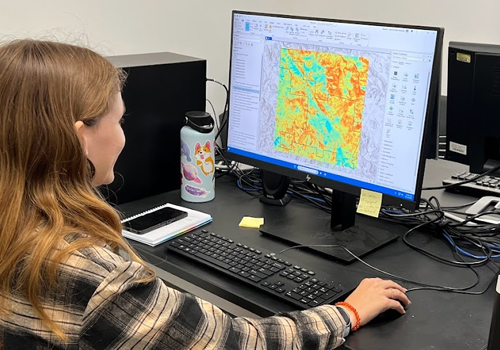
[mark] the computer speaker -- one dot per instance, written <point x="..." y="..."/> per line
<point x="275" y="187"/>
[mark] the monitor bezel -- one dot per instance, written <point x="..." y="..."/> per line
<point x="330" y="183"/>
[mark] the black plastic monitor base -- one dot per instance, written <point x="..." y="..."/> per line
<point x="361" y="239"/>
<point x="365" y="236"/>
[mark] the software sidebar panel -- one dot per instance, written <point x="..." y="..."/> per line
<point x="160" y="88"/>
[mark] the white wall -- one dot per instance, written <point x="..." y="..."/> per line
<point x="470" y="21"/>
<point x="197" y="28"/>
<point x="201" y="28"/>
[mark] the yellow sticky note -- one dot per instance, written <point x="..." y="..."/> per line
<point x="251" y="222"/>
<point x="369" y="203"/>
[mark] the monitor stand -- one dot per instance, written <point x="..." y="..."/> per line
<point x="358" y="233"/>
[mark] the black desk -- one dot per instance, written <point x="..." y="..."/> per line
<point x="435" y="320"/>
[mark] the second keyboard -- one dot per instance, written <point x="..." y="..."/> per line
<point x="484" y="186"/>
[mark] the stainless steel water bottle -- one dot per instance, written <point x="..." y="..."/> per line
<point x="198" y="157"/>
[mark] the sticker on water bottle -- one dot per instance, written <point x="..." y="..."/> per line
<point x="204" y="159"/>
<point x="196" y="191"/>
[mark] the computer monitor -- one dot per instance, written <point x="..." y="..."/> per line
<point x="341" y="104"/>
<point x="473" y="126"/>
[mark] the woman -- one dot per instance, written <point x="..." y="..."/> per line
<point x="63" y="283"/>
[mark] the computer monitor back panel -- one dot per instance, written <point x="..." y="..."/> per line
<point x="160" y="89"/>
<point x="485" y="128"/>
<point x="473" y="99"/>
<point x="342" y="104"/>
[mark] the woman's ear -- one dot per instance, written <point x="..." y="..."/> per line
<point x="80" y="131"/>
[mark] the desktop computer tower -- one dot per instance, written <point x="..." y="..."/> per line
<point x="473" y="105"/>
<point x="160" y="88"/>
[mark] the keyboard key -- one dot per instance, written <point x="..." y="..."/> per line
<point x="336" y="289"/>
<point x="212" y="260"/>
<point x="313" y="303"/>
<point x="294" y="295"/>
<point x="254" y="278"/>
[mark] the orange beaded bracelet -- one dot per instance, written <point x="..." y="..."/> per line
<point x="354" y="311"/>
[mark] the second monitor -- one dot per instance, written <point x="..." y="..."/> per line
<point x="341" y="104"/>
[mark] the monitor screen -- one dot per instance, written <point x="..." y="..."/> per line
<point x="341" y="104"/>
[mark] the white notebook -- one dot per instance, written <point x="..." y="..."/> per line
<point x="162" y="234"/>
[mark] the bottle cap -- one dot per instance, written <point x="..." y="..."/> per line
<point x="200" y="121"/>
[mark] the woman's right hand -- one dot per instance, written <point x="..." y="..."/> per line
<point x="374" y="296"/>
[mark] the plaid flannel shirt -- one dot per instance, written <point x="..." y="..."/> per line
<point x="99" y="305"/>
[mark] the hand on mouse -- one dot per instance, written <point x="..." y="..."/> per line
<point x="374" y="296"/>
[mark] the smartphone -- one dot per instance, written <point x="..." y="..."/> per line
<point x="153" y="220"/>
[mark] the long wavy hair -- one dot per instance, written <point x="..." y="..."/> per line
<point x="46" y="190"/>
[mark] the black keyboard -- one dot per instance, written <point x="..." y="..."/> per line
<point x="484" y="186"/>
<point x="294" y="284"/>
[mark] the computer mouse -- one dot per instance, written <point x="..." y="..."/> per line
<point x="389" y="315"/>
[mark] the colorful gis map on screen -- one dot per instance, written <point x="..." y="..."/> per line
<point x="320" y="103"/>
